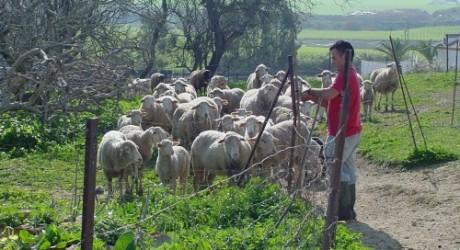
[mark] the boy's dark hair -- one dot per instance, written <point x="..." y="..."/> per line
<point x="342" y="46"/>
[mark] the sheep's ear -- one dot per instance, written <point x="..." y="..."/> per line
<point x="334" y="74"/>
<point x="248" y="113"/>
<point x="143" y="98"/>
<point x="235" y="118"/>
<point x="195" y="107"/>
<point x="259" y="122"/>
<point x="225" y="102"/>
<point x="242" y="124"/>
<point x="175" y="143"/>
<point x="158" y="101"/>
<point x="320" y="74"/>
<point x="221" y="140"/>
<point x="174" y="101"/>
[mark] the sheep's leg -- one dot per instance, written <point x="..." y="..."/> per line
<point x="378" y="103"/>
<point x="370" y="111"/>
<point x="386" y="102"/>
<point x="392" y="101"/>
<point x="183" y="183"/>
<point x="198" y="179"/>
<point x="109" y="187"/>
<point x="173" y="185"/>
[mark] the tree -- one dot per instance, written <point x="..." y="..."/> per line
<point x="429" y="51"/>
<point x="401" y="48"/>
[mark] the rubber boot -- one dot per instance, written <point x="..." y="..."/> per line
<point x="353" y="200"/>
<point x="345" y="203"/>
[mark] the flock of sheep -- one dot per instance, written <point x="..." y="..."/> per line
<point x="214" y="134"/>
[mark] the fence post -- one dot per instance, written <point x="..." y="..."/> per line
<point x="332" y="206"/>
<point x="89" y="189"/>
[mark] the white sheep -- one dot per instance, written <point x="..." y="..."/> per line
<point x="160" y="89"/>
<point x="153" y="115"/>
<point x="217" y="81"/>
<point x="259" y="100"/>
<point x="215" y="152"/>
<point x="183" y="87"/>
<point x="252" y="125"/>
<point x="254" y="80"/>
<point x="173" y="162"/>
<point x="116" y="155"/>
<point x="140" y="86"/>
<point x="198" y="117"/>
<point x="367" y="98"/>
<point x="132" y="118"/>
<point x="168" y="104"/>
<point x="386" y="80"/>
<point x="280" y="75"/>
<point x="228" y="123"/>
<point x="146" y="141"/>
<point x="301" y="85"/>
<point x="266" y="148"/>
<point x="233" y="96"/>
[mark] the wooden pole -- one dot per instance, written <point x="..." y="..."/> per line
<point x="447" y="53"/>
<point x="332" y="206"/>
<point x="454" y="101"/>
<point x="294" y="122"/>
<point x="89" y="191"/>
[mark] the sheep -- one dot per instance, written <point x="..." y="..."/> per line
<point x="173" y="162"/>
<point x="327" y="78"/>
<point x="160" y="89"/>
<point x="217" y="81"/>
<point x="168" y="104"/>
<point x="253" y="124"/>
<point x="259" y="100"/>
<point x="301" y="84"/>
<point x="367" y="98"/>
<point x="155" y="79"/>
<point x="265" y="148"/>
<point x="195" y="117"/>
<point x="116" y="154"/>
<point x="221" y="104"/>
<point x="183" y="87"/>
<point x="233" y="96"/>
<point x="199" y="79"/>
<point x="146" y="141"/>
<point x="241" y="112"/>
<point x="385" y="81"/>
<point x="254" y="80"/>
<point x="132" y="118"/>
<point x="280" y="75"/>
<point x="215" y="153"/>
<point x="281" y="114"/>
<point x="228" y="123"/>
<point x="153" y="115"/>
<point x="267" y="78"/>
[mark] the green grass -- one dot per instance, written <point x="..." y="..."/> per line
<point x="312" y="53"/>
<point x="387" y="139"/>
<point x="340" y="7"/>
<point x="436" y="33"/>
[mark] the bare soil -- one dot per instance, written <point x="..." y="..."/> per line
<point x="417" y="209"/>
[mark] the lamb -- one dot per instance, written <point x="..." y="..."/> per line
<point x="254" y="80"/>
<point x="155" y="79"/>
<point x="280" y="75"/>
<point x="173" y="162"/>
<point x="259" y="100"/>
<point x="168" y="104"/>
<point x="227" y="123"/>
<point x="199" y="79"/>
<point x="217" y="81"/>
<point x="146" y="141"/>
<point x="132" y="118"/>
<point x="218" y="153"/>
<point x="253" y="125"/>
<point x="281" y="114"/>
<point x="385" y="81"/>
<point x="265" y="148"/>
<point x="367" y="98"/>
<point x="183" y="87"/>
<point x="327" y="78"/>
<point x="233" y="96"/>
<point x="198" y="117"/>
<point x="153" y="115"/>
<point x="116" y="154"/>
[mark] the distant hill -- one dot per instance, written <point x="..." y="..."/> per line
<point x="345" y="7"/>
<point x="384" y="19"/>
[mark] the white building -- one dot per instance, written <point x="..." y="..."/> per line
<point x="448" y="54"/>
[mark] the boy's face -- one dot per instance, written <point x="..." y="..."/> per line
<point x="338" y="59"/>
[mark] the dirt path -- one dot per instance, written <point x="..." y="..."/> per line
<point x="417" y="209"/>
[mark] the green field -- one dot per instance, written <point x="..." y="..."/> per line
<point x="341" y="7"/>
<point x="425" y="33"/>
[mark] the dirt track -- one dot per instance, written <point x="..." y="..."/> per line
<point x="417" y="209"/>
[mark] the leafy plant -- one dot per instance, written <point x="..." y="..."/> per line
<point x="427" y="157"/>
<point x="401" y="47"/>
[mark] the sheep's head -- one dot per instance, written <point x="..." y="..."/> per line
<point x="157" y="77"/>
<point x="218" y="82"/>
<point x="220" y="102"/>
<point x="232" y="142"/>
<point x="280" y="75"/>
<point x="276" y="82"/>
<point x="367" y="85"/>
<point x="128" y="151"/>
<point x="167" y="103"/>
<point x="267" y="144"/>
<point x="156" y="134"/>
<point x="241" y="112"/>
<point x="206" y="75"/>
<point x="180" y="86"/>
<point x="326" y="78"/>
<point x="261" y="70"/>
<point x="202" y="110"/>
<point x="165" y="147"/>
<point x="252" y="125"/>
<point x="148" y="102"/>
<point x="135" y="115"/>
<point x="227" y="122"/>
<point x="268" y="92"/>
<point x="266" y="78"/>
<point x="217" y="92"/>
<point x="161" y="88"/>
